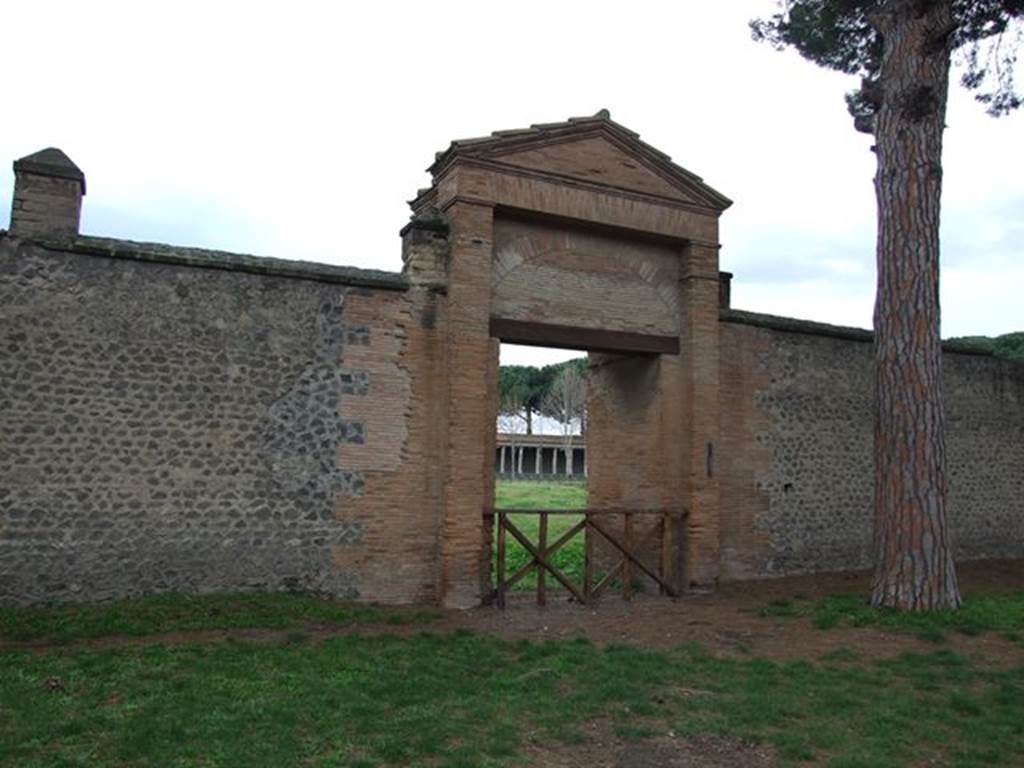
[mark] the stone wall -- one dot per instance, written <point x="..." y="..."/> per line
<point x="175" y="419"/>
<point x="179" y="419"/>
<point x="797" y="445"/>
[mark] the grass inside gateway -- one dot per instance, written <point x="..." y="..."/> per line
<point x="528" y="494"/>
<point x="473" y="700"/>
<point x="512" y="494"/>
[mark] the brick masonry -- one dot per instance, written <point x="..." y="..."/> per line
<point x="554" y="273"/>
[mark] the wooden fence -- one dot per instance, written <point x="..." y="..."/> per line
<point x="595" y="525"/>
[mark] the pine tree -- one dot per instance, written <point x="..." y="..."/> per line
<point x="902" y="51"/>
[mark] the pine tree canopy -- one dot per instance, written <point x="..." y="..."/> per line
<point x="842" y="35"/>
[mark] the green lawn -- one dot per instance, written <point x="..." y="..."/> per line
<point x="543" y="495"/>
<point x="459" y="700"/>
<point x="474" y="700"/>
<point x="980" y="613"/>
<point x="175" y="612"/>
<point x="522" y="494"/>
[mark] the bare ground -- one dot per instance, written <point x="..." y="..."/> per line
<point x="601" y="749"/>
<point x="725" y="621"/>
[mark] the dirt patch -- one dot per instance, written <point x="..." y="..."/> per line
<point x="724" y="621"/>
<point x="727" y="624"/>
<point x="600" y="748"/>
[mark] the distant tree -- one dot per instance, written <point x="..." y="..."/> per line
<point x="525" y="386"/>
<point x="901" y="49"/>
<point x="523" y="389"/>
<point x="1009" y="346"/>
<point x="513" y="391"/>
<point x="566" y="403"/>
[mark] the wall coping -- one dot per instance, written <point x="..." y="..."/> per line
<point x="202" y="258"/>
<point x="813" y="328"/>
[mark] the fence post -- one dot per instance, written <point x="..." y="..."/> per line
<point x="666" y="550"/>
<point x="588" y="557"/>
<point x="627" y="565"/>
<point x="501" y="559"/>
<point x="542" y="545"/>
<point x="681" y="552"/>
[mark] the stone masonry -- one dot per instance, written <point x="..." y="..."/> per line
<point x="797" y="441"/>
<point x="181" y="419"/>
<point x="177" y="427"/>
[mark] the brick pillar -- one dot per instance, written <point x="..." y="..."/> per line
<point x="700" y="300"/>
<point x="634" y="443"/>
<point x="724" y="290"/>
<point x="48" y="191"/>
<point x="472" y="360"/>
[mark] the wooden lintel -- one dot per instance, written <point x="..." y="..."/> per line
<point x="589" y="339"/>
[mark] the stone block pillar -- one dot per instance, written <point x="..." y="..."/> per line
<point x="699" y="353"/>
<point x="472" y="361"/>
<point x="425" y="250"/>
<point x="48" y="191"/>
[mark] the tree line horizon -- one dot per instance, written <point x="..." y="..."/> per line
<point x="557" y="390"/>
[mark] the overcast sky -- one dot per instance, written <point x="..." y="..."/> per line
<point x="300" y="130"/>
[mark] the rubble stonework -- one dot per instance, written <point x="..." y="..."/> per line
<point x="797" y="447"/>
<point x="183" y="419"/>
<point x="167" y="427"/>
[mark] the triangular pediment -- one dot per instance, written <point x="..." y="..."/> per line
<point x="597" y="160"/>
<point x="594" y="150"/>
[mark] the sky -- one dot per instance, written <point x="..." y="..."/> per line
<point x="299" y="130"/>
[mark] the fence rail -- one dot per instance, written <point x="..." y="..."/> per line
<point x="594" y="526"/>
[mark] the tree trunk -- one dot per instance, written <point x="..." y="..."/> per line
<point x="914" y="567"/>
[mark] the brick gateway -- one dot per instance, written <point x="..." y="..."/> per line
<point x="182" y="419"/>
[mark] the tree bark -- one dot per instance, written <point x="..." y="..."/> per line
<point x="914" y="567"/>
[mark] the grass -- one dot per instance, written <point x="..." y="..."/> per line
<point x="983" y="613"/>
<point x="469" y="700"/>
<point x="511" y="494"/>
<point x="520" y="494"/>
<point x="474" y="700"/>
<point x="174" y="612"/>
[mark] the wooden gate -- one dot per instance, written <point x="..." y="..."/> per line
<point x="595" y="525"/>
